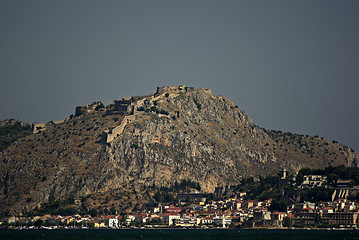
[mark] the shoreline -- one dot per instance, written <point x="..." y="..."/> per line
<point x="179" y="228"/>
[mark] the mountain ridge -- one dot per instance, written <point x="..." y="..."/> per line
<point x="174" y="134"/>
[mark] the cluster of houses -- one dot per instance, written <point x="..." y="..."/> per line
<point x="195" y="210"/>
<point x="226" y="213"/>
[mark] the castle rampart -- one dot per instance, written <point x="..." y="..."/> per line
<point x="110" y="135"/>
<point x="88" y="108"/>
<point x="170" y="89"/>
<point x="129" y="105"/>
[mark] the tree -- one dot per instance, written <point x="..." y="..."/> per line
<point x="301" y="173"/>
<point x="93" y="212"/>
<point x="278" y="206"/>
<point x="332" y="179"/>
<point x="113" y="210"/>
<point x="154" y="109"/>
<point x="164" y="112"/>
<point x="38" y="223"/>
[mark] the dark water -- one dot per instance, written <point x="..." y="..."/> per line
<point x="178" y="234"/>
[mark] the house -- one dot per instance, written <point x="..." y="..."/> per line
<point x="67" y="220"/>
<point x="155" y="219"/>
<point x="267" y="203"/>
<point x="342" y="218"/>
<point x="45" y="217"/>
<point x="193" y="196"/>
<point x="261" y="217"/>
<point x="306" y="216"/>
<point x="243" y="217"/>
<point x="301" y="206"/>
<point x="344" y="183"/>
<point x="174" y="210"/>
<point x="185" y="221"/>
<point x="327" y="210"/>
<point x="234" y="205"/>
<point x="169" y="218"/>
<point x="142" y="218"/>
<point x="249" y="204"/>
<point x="314" y="181"/>
<point x="207" y="221"/>
<point x="111" y="221"/>
<point x="349" y="207"/>
<point x="277" y="218"/>
<point x="99" y="223"/>
<point x="54" y="220"/>
<point x="156" y="209"/>
<point x="10" y="220"/>
<point x="222" y="221"/>
<point x="242" y="194"/>
<point x="289" y="219"/>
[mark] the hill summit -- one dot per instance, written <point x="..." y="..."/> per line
<point x="178" y="133"/>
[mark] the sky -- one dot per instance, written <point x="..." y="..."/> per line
<point x="291" y="65"/>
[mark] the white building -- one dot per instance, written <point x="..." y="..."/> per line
<point x="207" y="221"/>
<point x="314" y="181"/>
<point x="111" y="222"/>
<point x="222" y="221"/>
<point x="169" y="218"/>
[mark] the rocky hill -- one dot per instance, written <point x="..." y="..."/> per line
<point x="115" y="156"/>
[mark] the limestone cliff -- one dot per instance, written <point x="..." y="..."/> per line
<point x="177" y="133"/>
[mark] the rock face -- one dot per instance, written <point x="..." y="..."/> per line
<point x="177" y="133"/>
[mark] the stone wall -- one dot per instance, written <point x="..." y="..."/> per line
<point x="170" y="89"/>
<point x="129" y="106"/>
<point x="178" y="89"/>
<point x="109" y="135"/>
<point x="88" y="108"/>
<point x="38" y="127"/>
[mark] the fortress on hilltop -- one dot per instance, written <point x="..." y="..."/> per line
<point x="129" y="106"/>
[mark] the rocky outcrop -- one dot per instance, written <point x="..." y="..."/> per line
<point x="177" y="133"/>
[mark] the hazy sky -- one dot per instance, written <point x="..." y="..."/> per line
<point x="291" y="65"/>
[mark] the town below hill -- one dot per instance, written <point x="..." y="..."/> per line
<point x="323" y="198"/>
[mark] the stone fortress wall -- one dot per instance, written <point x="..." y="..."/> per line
<point x="170" y="89"/>
<point x="95" y="106"/>
<point x="129" y="105"/>
<point x="126" y="106"/>
<point x="109" y="135"/>
<point x="88" y="108"/>
<point x="38" y="127"/>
